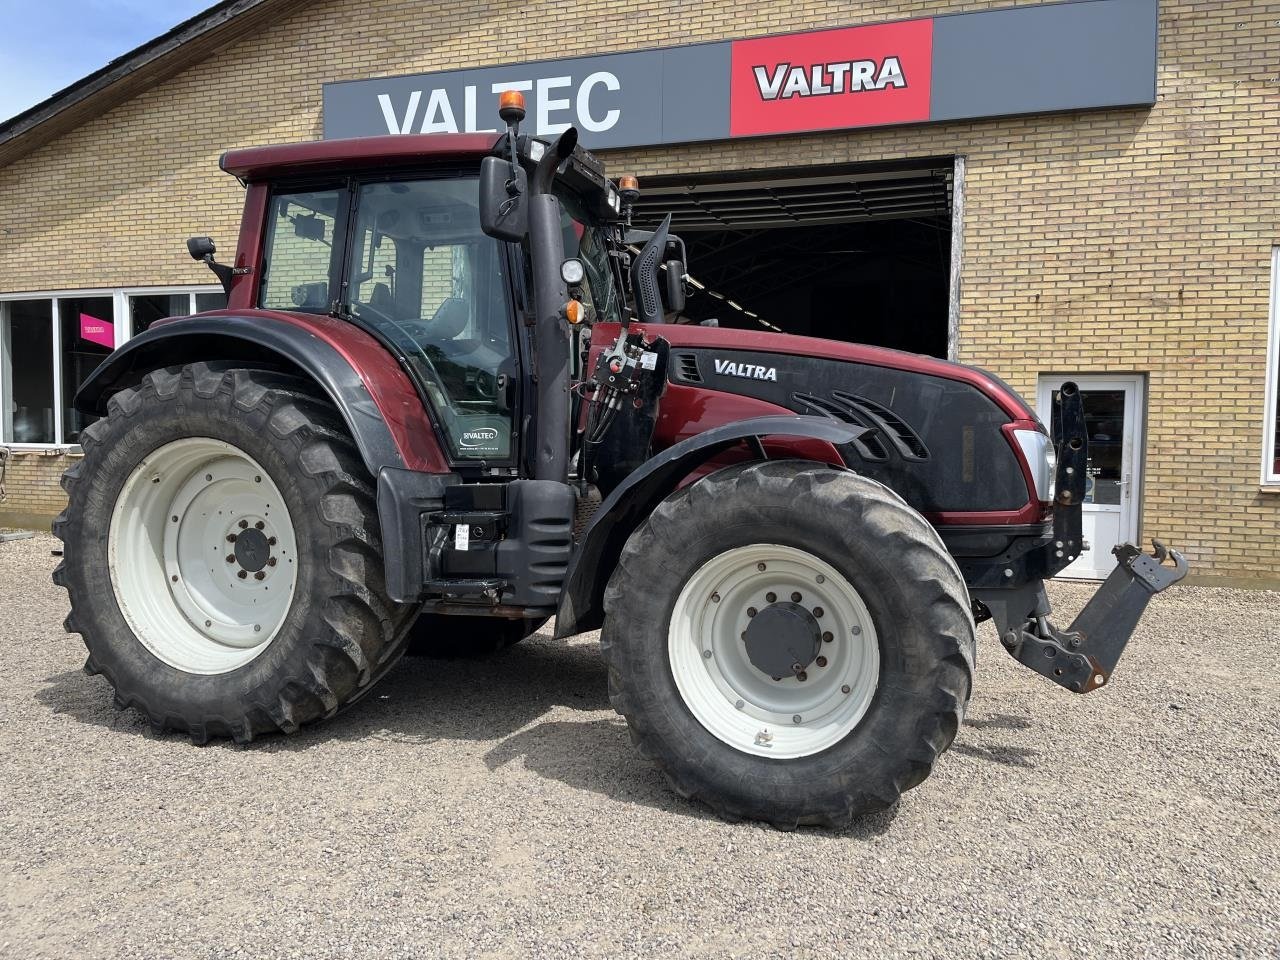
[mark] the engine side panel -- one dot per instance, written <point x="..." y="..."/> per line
<point x="939" y="441"/>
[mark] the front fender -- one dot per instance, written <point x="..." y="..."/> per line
<point x="582" y="600"/>
<point x="362" y="379"/>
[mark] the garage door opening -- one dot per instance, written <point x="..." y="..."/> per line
<point x="861" y="254"/>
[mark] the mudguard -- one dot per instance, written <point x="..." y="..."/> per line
<point x="582" y="600"/>
<point x="389" y="425"/>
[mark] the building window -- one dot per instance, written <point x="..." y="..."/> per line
<point x="26" y="335"/>
<point x="1271" y="433"/>
<point x="51" y="343"/>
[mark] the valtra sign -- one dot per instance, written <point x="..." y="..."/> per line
<point x="1083" y="55"/>
<point x="831" y="79"/>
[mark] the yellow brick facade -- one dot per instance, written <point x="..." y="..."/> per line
<point x="1134" y="241"/>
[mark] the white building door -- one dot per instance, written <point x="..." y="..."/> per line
<point x="1113" y="413"/>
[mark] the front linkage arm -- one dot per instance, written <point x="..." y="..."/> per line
<point x="1082" y="657"/>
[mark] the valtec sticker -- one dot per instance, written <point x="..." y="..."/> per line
<point x="481" y="440"/>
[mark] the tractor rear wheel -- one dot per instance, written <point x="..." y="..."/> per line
<point x="789" y="642"/>
<point x="222" y="555"/>
<point x="467" y="638"/>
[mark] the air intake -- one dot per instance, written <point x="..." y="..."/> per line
<point x="687" y="368"/>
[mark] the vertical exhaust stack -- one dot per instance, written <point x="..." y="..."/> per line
<point x="550" y="294"/>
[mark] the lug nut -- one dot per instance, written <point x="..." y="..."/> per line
<point x="271" y="541"/>
<point x="244" y="524"/>
<point x="818" y="612"/>
<point x="243" y="574"/>
<point x="231" y="538"/>
<point x="821" y="661"/>
<point x="828" y="637"/>
<point x="802" y="676"/>
<point x="260" y="575"/>
<point x="231" y="558"/>
<point x="795" y="598"/>
<point x="271" y="561"/>
<point x="761" y="567"/>
<point x="771" y="597"/>
<point x="259" y="525"/>
<point x="751" y="611"/>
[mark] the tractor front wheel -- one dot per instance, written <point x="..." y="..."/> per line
<point x="789" y="643"/>
<point x="222" y="555"/>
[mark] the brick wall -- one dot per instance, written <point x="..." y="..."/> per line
<point x="32" y="493"/>
<point x="1120" y="241"/>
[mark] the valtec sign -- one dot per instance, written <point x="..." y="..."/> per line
<point x="1084" y="55"/>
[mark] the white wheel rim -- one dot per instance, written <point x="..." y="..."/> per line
<point x="742" y="706"/>
<point x="186" y="555"/>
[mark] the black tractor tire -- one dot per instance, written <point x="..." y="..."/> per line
<point x="340" y="633"/>
<point x="443" y="637"/>
<point x="911" y="587"/>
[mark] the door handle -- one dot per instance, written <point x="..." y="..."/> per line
<point x="1125" y="486"/>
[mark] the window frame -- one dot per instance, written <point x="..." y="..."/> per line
<point x="123" y="322"/>
<point x="1270" y="476"/>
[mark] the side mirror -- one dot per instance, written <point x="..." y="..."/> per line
<point x="504" y="200"/>
<point x="201" y="247"/>
<point x="644" y="275"/>
<point x="675" y="285"/>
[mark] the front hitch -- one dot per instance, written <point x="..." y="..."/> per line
<point x="1083" y="657"/>
<point x="1010" y="587"/>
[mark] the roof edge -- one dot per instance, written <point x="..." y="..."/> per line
<point x="108" y="87"/>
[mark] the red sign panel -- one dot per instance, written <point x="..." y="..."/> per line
<point x="832" y="79"/>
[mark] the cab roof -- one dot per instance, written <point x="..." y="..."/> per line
<point x="321" y="156"/>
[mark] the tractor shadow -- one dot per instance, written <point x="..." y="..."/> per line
<point x="420" y="700"/>
<point x="503" y="702"/>
<point x="1002" y="753"/>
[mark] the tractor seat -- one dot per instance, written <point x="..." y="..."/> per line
<point x="381" y="300"/>
<point x="450" y="318"/>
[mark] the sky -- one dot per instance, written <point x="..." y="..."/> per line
<point x="46" y="45"/>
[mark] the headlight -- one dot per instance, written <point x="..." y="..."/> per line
<point x="1037" y="450"/>
<point x="572" y="272"/>
<point x="536" y="149"/>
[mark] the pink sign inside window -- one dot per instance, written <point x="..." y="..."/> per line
<point x="97" y="331"/>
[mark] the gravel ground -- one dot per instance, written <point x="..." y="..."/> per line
<point x="497" y="809"/>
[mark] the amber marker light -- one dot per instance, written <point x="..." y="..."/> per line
<point x="575" y="312"/>
<point x="628" y="189"/>
<point x="511" y="106"/>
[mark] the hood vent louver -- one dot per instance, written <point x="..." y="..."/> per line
<point x="869" y="447"/>
<point x="906" y="441"/>
<point x="686" y="369"/>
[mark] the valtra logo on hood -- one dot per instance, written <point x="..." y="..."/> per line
<point x="832" y="79"/>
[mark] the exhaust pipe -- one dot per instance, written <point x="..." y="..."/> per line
<point x="551" y="334"/>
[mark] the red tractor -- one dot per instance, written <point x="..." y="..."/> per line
<point x="447" y="402"/>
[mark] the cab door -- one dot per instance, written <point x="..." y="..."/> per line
<point x="1114" y="415"/>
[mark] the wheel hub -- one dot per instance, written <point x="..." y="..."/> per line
<point x="783" y="639"/>
<point x="740" y="627"/>
<point x="252" y="549"/>
<point x="202" y="555"/>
